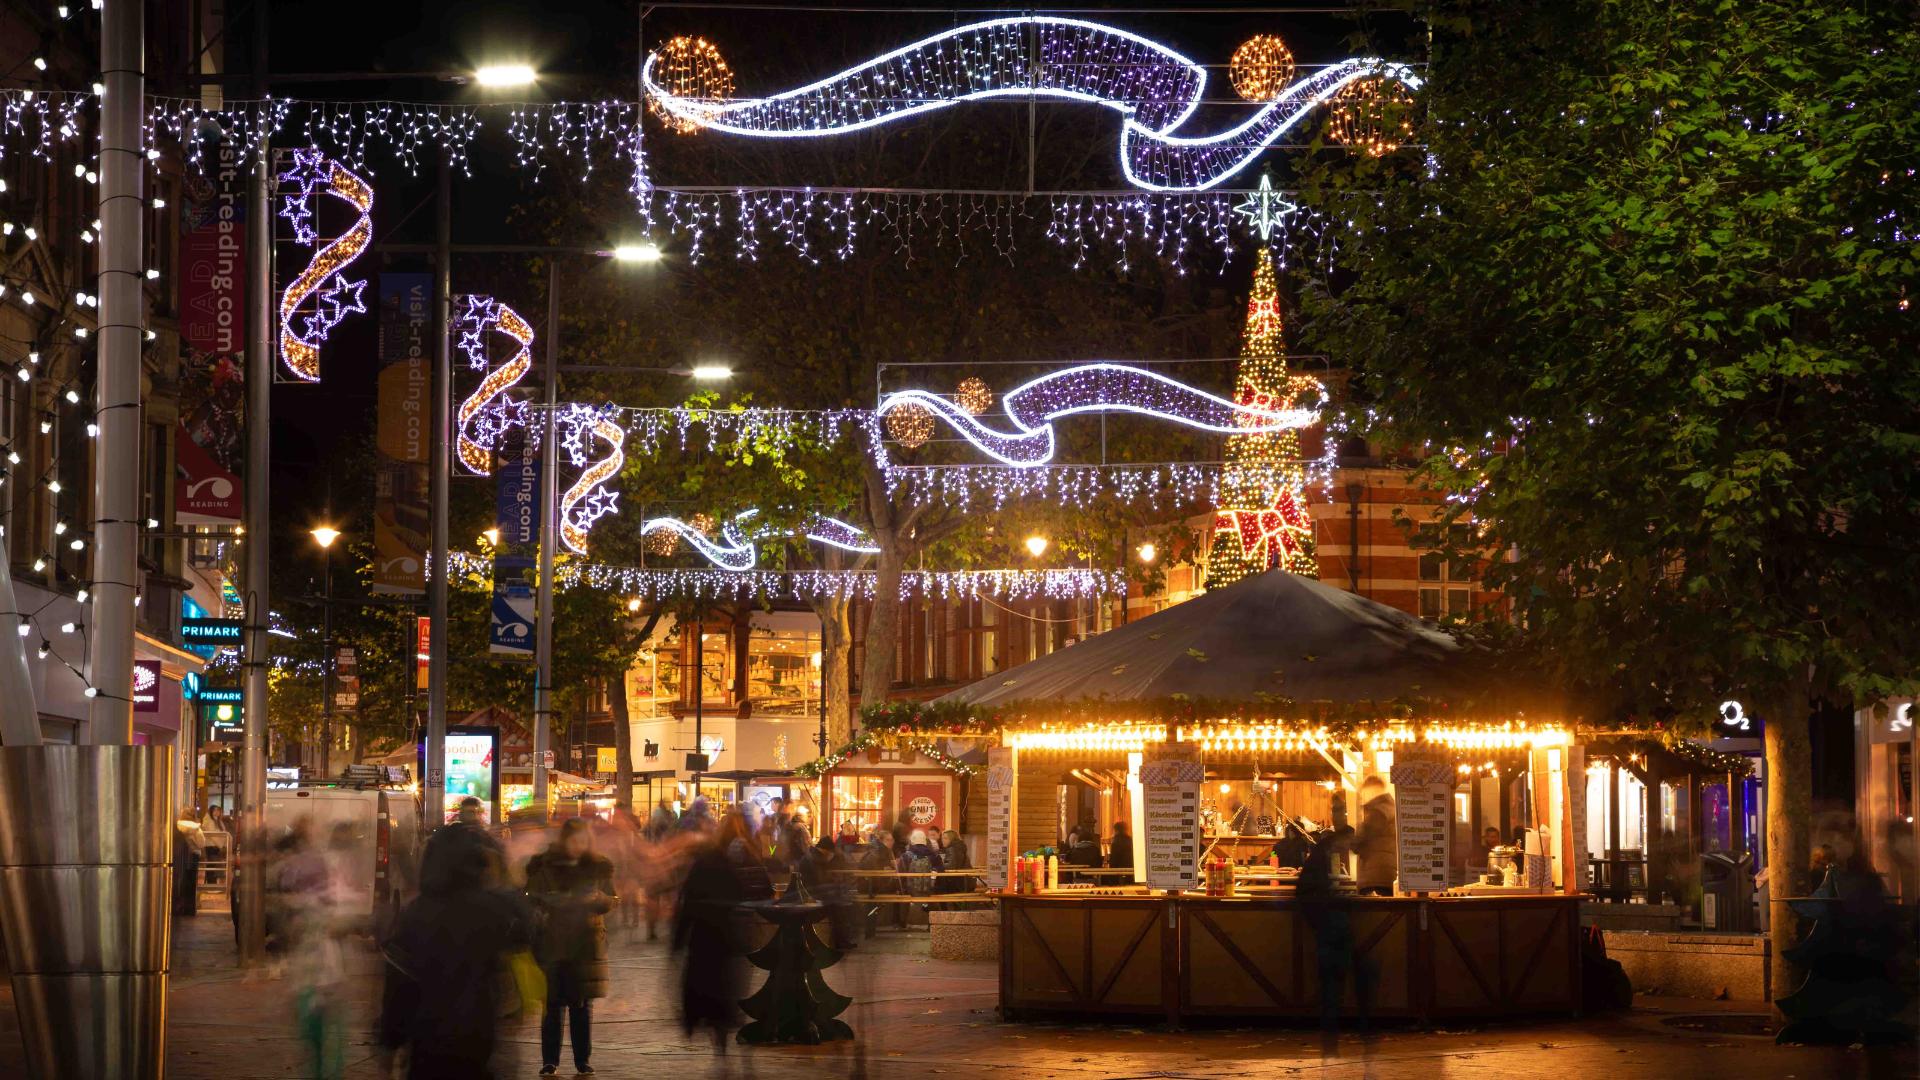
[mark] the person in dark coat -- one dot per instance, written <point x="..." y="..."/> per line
<point x="1335" y="956"/>
<point x="445" y="973"/>
<point x="703" y="929"/>
<point x="456" y="842"/>
<point x="953" y="853"/>
<point x="573" y="888"/>
<point x="1120" y="848"/>
<point x="1293" y="848"/>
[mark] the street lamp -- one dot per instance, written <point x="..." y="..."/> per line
<point x="325" y="535"/>
<point x="637" y="253"/>
<point x="1037" y="545"/>
<point x="711" y="372"/>
<point x="1147" y="552"/>
<point x="505" y="75"/>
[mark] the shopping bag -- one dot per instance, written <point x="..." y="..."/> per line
<point x="529" y="980"/>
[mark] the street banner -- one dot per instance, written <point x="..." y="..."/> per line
<point x="213" y="256"/>
<point x="518" y="516"/>
<point x="206" y="491"/>
<point x="422" y="641"/>
<point x="404" y="433"/>
<point x="346" y="678"/>
<point x="512" y="624"/>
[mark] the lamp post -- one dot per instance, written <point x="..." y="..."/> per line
<point x="325" y="536"/>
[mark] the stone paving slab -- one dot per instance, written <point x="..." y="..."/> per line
<point x="917" y="1017"/>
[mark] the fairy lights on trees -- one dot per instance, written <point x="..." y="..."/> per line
<point x="323" y="278"/>
<point x="1262" y="519"/>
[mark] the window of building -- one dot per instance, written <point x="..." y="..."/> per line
<point x="858" y="801"/>
<point x="783" y="672"/>
<point x="989" y="637"/>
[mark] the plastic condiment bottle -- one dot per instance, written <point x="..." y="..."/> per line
<point x="1053" y="871"/>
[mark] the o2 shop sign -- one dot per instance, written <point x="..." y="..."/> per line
<point x="1736" y="724"/>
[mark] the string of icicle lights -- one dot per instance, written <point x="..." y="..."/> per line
<point x="651" y="583"/>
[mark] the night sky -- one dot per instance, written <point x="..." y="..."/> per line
<point x="589" y="51"/>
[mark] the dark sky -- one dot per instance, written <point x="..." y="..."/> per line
<point x="585" y="49"/>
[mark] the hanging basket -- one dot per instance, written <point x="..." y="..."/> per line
<point x="873" y="755"/>
<point x="908" y="755"/>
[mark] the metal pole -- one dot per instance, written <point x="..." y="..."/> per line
<point x="549" y="534"/>
<point x="699" y="691"/>
<point x="433" y="812"/>
<point x="326" y="638"/>
<point x="116" y="502"/>
<point x="250" y="894"/>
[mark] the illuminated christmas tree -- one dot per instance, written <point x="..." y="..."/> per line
<point x="1262" y="520"/>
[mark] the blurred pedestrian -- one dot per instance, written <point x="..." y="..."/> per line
<point x="1293" y="847"/>
<point x="188" y="844"/>
<point x="1120" y="848"/>
<point x="1375" y="841"/>
<point x="573" y="888"/>
<point x="451" y="847"/>
<point x="953" y="856"/>
<point x="879" y="856"/>
<point x="446" y="968"/>
<point x="703" y="929"/>
<point x="698" y="818"/>
<point x="1335" y="956"/>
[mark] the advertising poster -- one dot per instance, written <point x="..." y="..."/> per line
<point x="472" y="769"/>
<point x="518" y="515"/>
<point x="1000" y="801"/>
<point x="513" y="615"/>
<point x="213" y="255"/>
<point x="422" y="643"/>
<point x="925" y="803"/>
<point x="1423" y="798"/>
<point x="1171" y="792"/>
<point x="404" y="433"/>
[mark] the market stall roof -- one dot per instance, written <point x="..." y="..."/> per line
<point x="1272" y="635"/>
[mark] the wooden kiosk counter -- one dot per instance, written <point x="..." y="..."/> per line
<point x="1191" y="955"/>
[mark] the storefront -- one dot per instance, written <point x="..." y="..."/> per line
<point x="868" y="786"/>
<point x="1884" y="751"/>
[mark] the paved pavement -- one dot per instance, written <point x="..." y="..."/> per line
<point x="917" y="1018"/>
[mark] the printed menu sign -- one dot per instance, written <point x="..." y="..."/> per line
<point x="1423" y="796"/>
<point x="1171" y="793"/>
<point x="1000" y="796"/>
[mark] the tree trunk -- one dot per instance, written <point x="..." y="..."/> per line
<point x="1789" y="810"/>
<point x="883" y="623"/>
<point x="623" y="722"/>
<point x="836" y="643"/>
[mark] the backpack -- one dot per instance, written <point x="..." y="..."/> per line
<point x="919" y="864"/>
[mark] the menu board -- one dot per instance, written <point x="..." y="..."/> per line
<point x="1000" y="796"/>
<point x="1423" y="797"/>
<point x="1171" y="792"/>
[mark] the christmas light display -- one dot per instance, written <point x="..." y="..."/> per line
<point x="691" y="70"/>
<point x="1153" y="88"/>
<point x="973" y="395"/>
<point x="323" y="277"/>
<point x="1374" y="115"/>
<point x="480" y="424"/>
<point x="910" y="425"/>
<point x="1265" y="209"/>
<point x="1262" y="519"/>
<point x="662" y="542"/>
<point x="650" y="584"/>
<point x="586" y="501"/>
<point x="1091" y="388"/>
<point x="1261" y="68"/>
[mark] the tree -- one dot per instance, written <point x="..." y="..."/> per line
<point x="1642" y="301"/>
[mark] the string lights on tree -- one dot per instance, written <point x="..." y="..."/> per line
<point x="323" y="277"/>
<point x="1262" y="520"/>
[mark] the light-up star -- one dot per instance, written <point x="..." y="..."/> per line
<point x="310" y="170"/>
<point x="1265" y="208"/>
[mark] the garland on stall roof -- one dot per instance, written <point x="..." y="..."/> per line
<point x="931" y="718"/>
<point x="813" y="770"/>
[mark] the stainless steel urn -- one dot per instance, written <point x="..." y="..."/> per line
<point x="86" y="849"/>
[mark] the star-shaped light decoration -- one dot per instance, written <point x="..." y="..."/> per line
<point x="1265" y="208"/>
<point x="311" y="169"/>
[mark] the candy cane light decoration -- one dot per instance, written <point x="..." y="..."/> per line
<point x="482" y="426"/>
<point x="1152" y="87"/>
<point x="586" y="501"/>
<point x="300" y="337"/>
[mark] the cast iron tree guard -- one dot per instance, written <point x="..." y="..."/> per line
<point x="795" y="1004"/>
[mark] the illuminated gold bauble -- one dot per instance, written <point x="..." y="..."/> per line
<point x="973" y="396"/>
<point x="663" y="542"/>
<point x="910" y="425"/>
<point x="702" y="523"/>
<point x="689" y="67"/>
<point x="1261" y="68"/>
<point x="1374" y="115"/>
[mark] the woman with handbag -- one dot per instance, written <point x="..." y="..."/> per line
<point x="573" y="889"/>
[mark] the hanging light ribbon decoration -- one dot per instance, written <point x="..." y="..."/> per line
<point x="586" y="501"/>
<point x="736" y="550"/>
<point x="1152" y="87"/>
<point x="481" y="424"/>
<point x="323" y="277"/>
<point x="1092" y="388"/>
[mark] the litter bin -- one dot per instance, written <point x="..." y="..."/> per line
<point x="1726" y="892"/>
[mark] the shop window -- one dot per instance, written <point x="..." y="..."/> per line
<point x="1458" y="601"/>
<point x="783" y="672"/>
<point x="1432" y="566"/>
<point x="989" y="637"/>
<point x="1430" y="603"/>
<point x="859" y="801"/>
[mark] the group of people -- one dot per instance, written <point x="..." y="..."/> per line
<point x="490" y="936"/>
